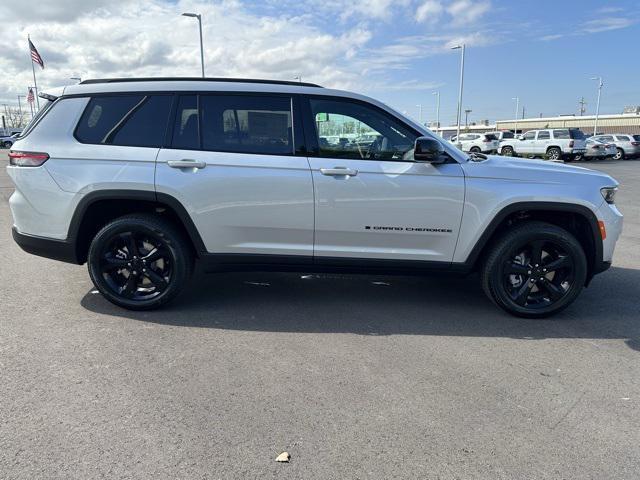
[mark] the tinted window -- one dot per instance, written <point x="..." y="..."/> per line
<point x="636" y="137"/>
<point x="576" y="134"/>
<point x="128" y="120"/>
<point x="606" y="138"/>
<point x="543" y="135"/>
<point x="392" y="139"/>
<point x="234" y="123"/>
<point x="491" y="137"/>
<point x="623" y="138"/>
<point x="530" y="135"/>
<point x="561" y="134"/>
<point x="186" y="134"/>
<point x="507" y="135"/>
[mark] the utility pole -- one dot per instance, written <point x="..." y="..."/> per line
<point x="600" y="84"/>
<point x="466" y="117"/>
<point x="517" y="99"/>
<point x="437" y="108"/>
<point x="583" y="106"/>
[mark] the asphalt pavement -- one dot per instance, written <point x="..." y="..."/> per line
<point x="354" y="376"/>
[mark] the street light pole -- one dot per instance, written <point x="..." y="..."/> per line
<point x="515" y="129"/>
<point x="437" y="93"/>
<point x="600" y="84"/>
<point x="462" y="48"/>
<point x="199" y="17"/>
<point x="419" y="113"/>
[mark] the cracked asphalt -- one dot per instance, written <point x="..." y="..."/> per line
<point x="355" y="376"/>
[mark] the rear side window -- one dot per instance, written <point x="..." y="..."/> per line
<point x="491" y="137"/>
<point x="623" y="138"/>
<point x="507" y="135"/>
<point x="126" y="120"/>
<point x="561" y="134"/>
<point x="543" y="135"/>
<point x="186" y="131"/>
<point x="246" y="124"/>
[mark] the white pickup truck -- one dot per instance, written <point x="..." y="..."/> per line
<point x="552" y="144"/>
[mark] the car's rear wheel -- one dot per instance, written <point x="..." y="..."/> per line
<point x="139" y="262"/>
<point x="507" y="151"/>
<point x="535" y="270"/>
<point x="554" y="153"/>
<point x="619" y="154"/>
<point x="475" y="150"/>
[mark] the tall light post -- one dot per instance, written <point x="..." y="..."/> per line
<point x="199" y="17"/>
<point x="419" y="113"/>
<point x="437" y="94"/>
<point x="515" y="128"/>
<point x="466" y="117"/>
<point x="462" y="48"/>
<point x="298" y="78"/>
<point x="600" y="84"/>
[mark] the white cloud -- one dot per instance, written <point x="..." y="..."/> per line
<point x="468" y="11"/>
<point x="607" y="23"/>
<point x="429" y="11"/>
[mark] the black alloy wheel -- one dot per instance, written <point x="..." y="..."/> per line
<point x="535" y="270"/>
<point x="139" y="262"/>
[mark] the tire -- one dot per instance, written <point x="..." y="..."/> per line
<point x="507" y="151"/>
<point x="140" y="262"/>
<point x="511" y="279"/>
<point x="8" y="144"/>
<point x="554" y="153"/>
<point x="474" y="150"/>
<point x="619" y="154"/>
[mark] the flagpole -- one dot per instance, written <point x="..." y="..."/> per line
<point x="33" y="69"/>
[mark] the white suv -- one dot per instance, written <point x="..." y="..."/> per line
<point x="476" y="142"/>
<point x="553" y="144"/>
<point x="140" y="178"/>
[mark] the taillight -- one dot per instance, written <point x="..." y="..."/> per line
<point x="571" y="144"/>
<point x="635" y="144"/>
<point x="27" y="159"/>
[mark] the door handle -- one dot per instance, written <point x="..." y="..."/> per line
<point x="339" y="171"/>
<point x="186" y="163"/>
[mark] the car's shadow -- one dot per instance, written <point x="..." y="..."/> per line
<point x="366" y="305"/>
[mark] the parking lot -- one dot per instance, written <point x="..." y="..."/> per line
<point x="354" y="376"/>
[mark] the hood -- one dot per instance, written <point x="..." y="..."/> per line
<point x="526" y="170"/>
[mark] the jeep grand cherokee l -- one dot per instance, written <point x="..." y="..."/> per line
<point x="139" y="178"/>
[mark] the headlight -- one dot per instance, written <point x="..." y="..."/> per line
<point x="609" y="194"/>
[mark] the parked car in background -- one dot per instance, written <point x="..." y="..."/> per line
<point x="597" y="150"/>
<point x="552" y="144"/>
<point x="7" y="141"/>
<point x="627" y="146"/>
<point x="476" y="142"/>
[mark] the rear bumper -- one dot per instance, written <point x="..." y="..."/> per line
<point x="46" y="247"/>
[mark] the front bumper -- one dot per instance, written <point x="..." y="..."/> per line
<point x="46" y="247"/>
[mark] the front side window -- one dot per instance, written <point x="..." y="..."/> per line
<point x="126" y="120"/>
<point x="387" y="137"/>
<point x="247" y="124"/>
<point x="529" y="135"/>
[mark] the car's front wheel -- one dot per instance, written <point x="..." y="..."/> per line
<point x="139" y="262"/>
<point x="507" y="151"/>
<point x="535" y="270"/>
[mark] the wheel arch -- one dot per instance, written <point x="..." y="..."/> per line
<point x="99" y="207"/>
<point x="579" y="220"/>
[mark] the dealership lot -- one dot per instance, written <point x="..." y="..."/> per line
<point x="354" y="376"/>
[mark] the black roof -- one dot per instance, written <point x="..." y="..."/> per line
<point x="197" y="79"/>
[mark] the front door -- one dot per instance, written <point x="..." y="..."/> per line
<point x="232" y="165"/>
<point x="372" y="201"/>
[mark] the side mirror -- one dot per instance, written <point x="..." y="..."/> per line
<point x="428" y="150"/>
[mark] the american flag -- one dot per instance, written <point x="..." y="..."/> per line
<point x="30" y="97"/>
<point x="35" y="56"/>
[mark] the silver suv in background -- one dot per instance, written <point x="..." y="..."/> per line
<point x="552" y="144"/>
<point x="476" y="142"/>
<point x="627" y="146"/>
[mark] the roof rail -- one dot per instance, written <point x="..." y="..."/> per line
<point x="197" y="79"/>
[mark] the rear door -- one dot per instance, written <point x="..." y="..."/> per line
<point x="375" y="202"/>
<point x="232" y="162"/>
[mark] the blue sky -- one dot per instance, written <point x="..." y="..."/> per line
<point x="398" y="51"/>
